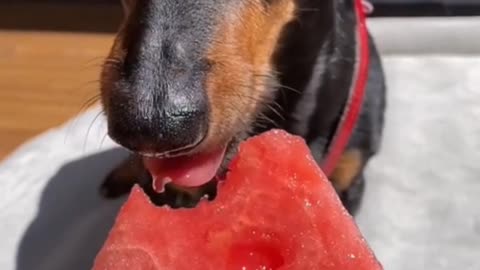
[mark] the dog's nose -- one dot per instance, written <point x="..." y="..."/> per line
<point x="173" y="125"/>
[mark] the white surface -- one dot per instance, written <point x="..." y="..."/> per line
<point x="50" y="212"/>
<point x="427" y="36"/>
<point x="422" y="206"/>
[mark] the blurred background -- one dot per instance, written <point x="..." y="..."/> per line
<point x="422" y="204"/>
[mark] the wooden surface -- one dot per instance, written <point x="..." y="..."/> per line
<point x="45" y="78"/>
<point x="82" y="16"/>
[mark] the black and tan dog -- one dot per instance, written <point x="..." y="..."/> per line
<point x="188" y="79"/>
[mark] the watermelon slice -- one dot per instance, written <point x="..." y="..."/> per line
<point x="276" y="210"/>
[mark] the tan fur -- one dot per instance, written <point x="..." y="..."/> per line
<point x="347" y="170"/>
<point x="241" y="56"/>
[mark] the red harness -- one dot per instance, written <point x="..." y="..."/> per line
<point x="357" y="91"/>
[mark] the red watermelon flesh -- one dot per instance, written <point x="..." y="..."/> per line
<point x="275" y="210"/>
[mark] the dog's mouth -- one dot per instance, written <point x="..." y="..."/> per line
<point x="188" y="171"/>
<point x="184" y="180"/>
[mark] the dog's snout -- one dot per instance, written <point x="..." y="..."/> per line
<point x="162" y="127"/>
<point x="159" y="103"/>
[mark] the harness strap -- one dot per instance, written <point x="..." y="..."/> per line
<point x="357" y="91"/>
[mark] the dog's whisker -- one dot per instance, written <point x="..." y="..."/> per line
<point x="266" y="101"/>
<point x="89" y="129"/>
<point x="91" y="101"/>
<point x="275" y="111"/>
<point x="91" y="66"/>
<point x="275" y="103"/>
<point x="113" y="60"/>
<point x="280" y="86"/>
<point x="111" y="65"/>
<point x="102" y="61"/>
<point x="87" y="104"/>
<point x="92" y="63"/>
<point x="273" y="83"/>
<point x="250" y="98"/>
<point x="264" y="117"/>
<point x="94" y="59"/>
<point x="103" y="140"/>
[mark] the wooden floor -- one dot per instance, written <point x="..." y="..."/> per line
<point x="45" y="78"/>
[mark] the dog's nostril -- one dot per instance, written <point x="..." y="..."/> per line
<point x="162" y="131"/>
<point x="185" y="113"/>
<point x="179" y="122"/>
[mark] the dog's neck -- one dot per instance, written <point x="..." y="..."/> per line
<point x="316" y="63"/>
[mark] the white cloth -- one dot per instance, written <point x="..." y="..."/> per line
<point x="422" y="205"/>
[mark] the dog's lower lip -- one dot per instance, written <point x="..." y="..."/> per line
<point x="188" y="170"/>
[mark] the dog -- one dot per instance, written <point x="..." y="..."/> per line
<point x="188" y="80"/>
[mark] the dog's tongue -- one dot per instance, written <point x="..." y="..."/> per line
<point x="186" y="171"/>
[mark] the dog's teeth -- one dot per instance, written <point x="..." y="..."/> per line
<point x="164" y="180"/>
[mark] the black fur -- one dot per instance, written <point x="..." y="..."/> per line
<point x="322" y="41"/>
<point x="315" y="61"/>
<point x="159" y="104"/>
